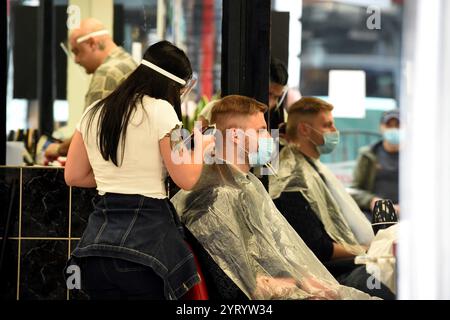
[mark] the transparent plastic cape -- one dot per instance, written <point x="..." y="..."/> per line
<point x="233" y="217"/>
<point x="343" y="220"/>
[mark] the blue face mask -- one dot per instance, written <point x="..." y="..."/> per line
<point x="266" y="147"/>
<point x="392" y="136"/>
<point x="264" y="153"/>
<point x="331" y="140"/>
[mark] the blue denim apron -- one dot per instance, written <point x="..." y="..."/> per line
<point x="142" y="230"/>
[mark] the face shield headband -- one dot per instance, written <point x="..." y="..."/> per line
<point x="281" y="99"/>
<point x="165" y="73"/>
<point x="91" y="35"/>
<point x="187" y="86"/>
<point x="82" y="39"/>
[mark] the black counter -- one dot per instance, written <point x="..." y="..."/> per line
<point x="41" y="221"/>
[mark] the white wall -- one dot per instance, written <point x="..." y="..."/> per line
<point x="424" y="244"/>
<point x="294" y="7"/>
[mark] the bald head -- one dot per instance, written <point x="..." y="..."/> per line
<point x="87" y="26"/>
<point x="92" y="51"/>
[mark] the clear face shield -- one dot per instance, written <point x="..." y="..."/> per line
<point x="187" y="86"/>
<point x="66" y="50"/>
<point x="186" y="90"/>
<point x="71" y="57"/>
<point x="282" y="97"/>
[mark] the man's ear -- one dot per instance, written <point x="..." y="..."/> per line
<point x="101" y="45"/>
<point x="92" y="44"/>
<point x="303" y="129"/>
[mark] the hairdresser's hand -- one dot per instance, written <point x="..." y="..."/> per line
<point x="207" y="142"/>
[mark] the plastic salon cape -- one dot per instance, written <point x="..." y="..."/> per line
<point x="233" y="217"/>
<point x="343" y="220"/>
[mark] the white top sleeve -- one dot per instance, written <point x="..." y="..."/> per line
<point x="167" y="118"/>
<point x="81" y="123"/>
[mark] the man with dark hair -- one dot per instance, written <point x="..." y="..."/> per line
<point x="277" y="92"/>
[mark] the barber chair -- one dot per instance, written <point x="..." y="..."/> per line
<point x="199" y="291"/>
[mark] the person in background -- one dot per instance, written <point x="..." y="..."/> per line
<point x="133" y="246"/>
<point x="277" y="92"/>
<point x="94" y="49"/>
<point x="292" y="96"/>
<point x="376" y="173"/>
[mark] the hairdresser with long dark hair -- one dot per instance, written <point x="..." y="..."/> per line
<point x="132" y="247"/>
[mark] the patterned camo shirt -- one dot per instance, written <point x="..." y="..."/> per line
<point x="116" y="68"/>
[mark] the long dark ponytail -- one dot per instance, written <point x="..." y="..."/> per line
<point x="117" y="108"/>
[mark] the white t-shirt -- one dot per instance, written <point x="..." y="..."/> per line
<point x="142" y="170"/>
